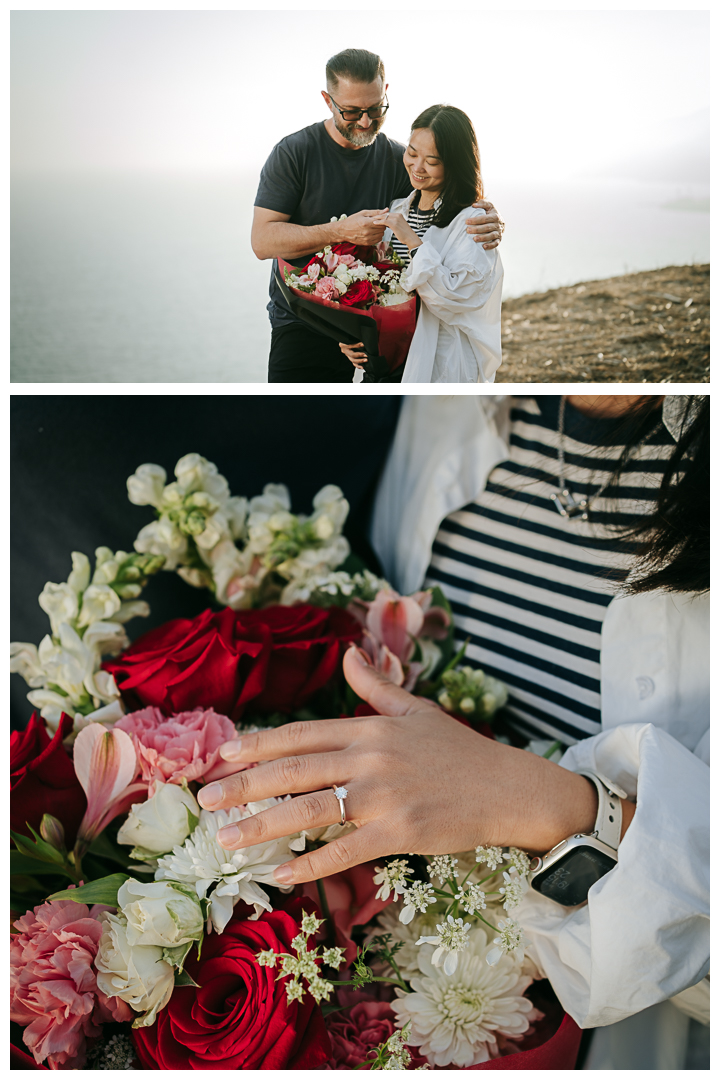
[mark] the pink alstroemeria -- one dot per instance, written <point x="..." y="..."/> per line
<point x="314" y="271"/>
<point x="393" y="624"/>
<point x="106" y="765"/>
<point x="332" y="261"/>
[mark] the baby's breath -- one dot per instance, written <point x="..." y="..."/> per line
<point x="443" y="867"/>
<point x="305" y="964"/>
<point x="473" y="899"/>
<point x="512" y="890"/>
<point x="492" y="856"/>
<point x="391" y="878"/>
<point x="519" y="860"/>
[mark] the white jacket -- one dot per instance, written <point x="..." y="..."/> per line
<point x="643" y="937"/>
<point x="457" y="338"/>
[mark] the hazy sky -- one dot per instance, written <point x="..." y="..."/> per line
<point x="551" y="93"/>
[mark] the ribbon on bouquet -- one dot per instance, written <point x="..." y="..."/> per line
<point x="386" y="332"/>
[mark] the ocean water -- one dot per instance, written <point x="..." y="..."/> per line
<point x="152" y="279"/>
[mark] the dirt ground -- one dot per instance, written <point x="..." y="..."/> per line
<point x="647" y="327"/>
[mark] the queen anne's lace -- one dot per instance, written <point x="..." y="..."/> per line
<point x="492" y="856"/>
<point x="391" y="879"/>
<point x="452" y="938"/>
<point x="444" y="868"/>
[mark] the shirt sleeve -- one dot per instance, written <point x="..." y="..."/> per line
<point x="644" y="934"/>
<point x="281" y="186"/>
<point x="456" y="284"/>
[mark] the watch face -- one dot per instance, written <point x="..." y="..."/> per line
<point x="568" y="881"/>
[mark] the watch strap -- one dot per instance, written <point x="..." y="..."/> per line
<point x="608" y="824"/>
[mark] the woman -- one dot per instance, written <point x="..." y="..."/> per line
<point x="457" y="338"/>
<point x="571" y="538"/>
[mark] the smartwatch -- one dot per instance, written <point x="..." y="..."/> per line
<point x="568" y="871"/>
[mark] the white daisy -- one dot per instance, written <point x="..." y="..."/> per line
<point x="236" y="875"/>
<point x="456" y="1018"/>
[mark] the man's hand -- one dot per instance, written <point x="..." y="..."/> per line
<point x="486" y="230"/>
<point x="360" y="229"/>
<point x="417" y="780"/>
<point x="355" y="354"/>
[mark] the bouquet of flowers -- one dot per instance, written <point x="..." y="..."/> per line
<point x="143" y="942"/>
<point x="346" y="278"/>
<point x="353" y="276"/>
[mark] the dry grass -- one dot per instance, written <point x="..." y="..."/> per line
<point x="647" y="327"/>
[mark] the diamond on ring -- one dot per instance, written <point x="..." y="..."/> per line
<point x="341" y="796"/>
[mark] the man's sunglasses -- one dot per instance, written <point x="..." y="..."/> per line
<point x="373" y="113"/>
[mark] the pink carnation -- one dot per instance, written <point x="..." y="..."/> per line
<point x="53" y="988"/>
<point x="326" y="289"/>
<point x="170" y="748"/>
<point x="355" y="1032"/>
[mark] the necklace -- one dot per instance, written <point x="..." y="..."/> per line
<point x="566" y="504"/>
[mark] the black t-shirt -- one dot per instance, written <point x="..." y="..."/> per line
<point x="311" y="178"/>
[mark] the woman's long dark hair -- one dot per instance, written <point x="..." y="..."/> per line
<point x="457" y="148"/>
<point x="674" y="551"/>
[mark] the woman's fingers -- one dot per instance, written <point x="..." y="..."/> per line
<point x="300" y="737"/>
<point x="385" y="697"/>
<point x="369" y="842"/>
<point x="314" y="811"/>
<point x="283" y="776"/>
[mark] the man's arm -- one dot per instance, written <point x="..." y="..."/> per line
<point x="274" y="237"/>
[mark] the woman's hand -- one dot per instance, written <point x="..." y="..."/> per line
<point x="398" y="225"/>
<point x="355" y="354"/>
<point x="417" y="780"/>
<point x="486" y="230"/>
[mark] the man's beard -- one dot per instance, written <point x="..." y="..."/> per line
<point x="358" y="136"/>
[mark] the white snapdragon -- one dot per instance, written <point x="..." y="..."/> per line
<point x="99" y="602"/>
<point x="451" y="939"/>
<point x="136" y="973"/>
<point x="60" y="604"/>
<point x="145" y="486"/>
<point x="223" y="876"/>
<point x="164" y="538"/>
<point x="159" y="824"/>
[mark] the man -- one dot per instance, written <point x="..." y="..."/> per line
<point x="342" y="165"/>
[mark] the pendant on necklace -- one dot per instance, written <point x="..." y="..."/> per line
<point x="568" y="506"/>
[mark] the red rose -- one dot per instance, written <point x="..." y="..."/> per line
<point x="276" y="659"/>
<point x="43" y="780"/>
<point x="360" y="292"/>
<point x="240" y="1017"/>
<point x="355" y="1032"/>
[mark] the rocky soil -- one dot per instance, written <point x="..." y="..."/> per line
<point x="647" y="327"/>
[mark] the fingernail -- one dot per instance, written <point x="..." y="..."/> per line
<point x="210" y="795"/>
<point x="283" y="874"/>
<point x="359" y="655"/>
<point x="230" y="836"/>
<point x="230" y="751"/>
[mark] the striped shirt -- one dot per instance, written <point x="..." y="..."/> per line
<point x="529" y="587"/>
<point x="419" y="221"/>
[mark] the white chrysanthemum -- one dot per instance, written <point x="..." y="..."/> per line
<point x="452" y="938"/>
<point x="456" y="1018"/>
<point x="235" y="875"/>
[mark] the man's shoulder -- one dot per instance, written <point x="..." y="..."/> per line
<point x="390" y="146"/>
<point x="300" y="141"/>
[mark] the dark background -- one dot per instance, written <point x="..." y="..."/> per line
<point x="71" y="457"/>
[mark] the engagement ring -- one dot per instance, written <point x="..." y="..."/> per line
<point x="341" y="796"/>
